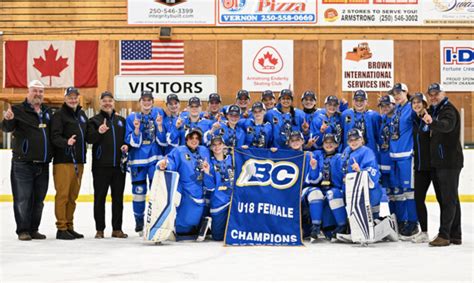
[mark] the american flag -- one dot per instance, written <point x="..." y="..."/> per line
<point x="151" y="57"/>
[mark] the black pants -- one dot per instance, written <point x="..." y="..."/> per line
<point x="103" y="178"/>
<point x="423" y="180"/>
<point x="29" y="187"/>
<point x="446" y="182"/>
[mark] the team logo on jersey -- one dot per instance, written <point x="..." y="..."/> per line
<point x="279" y="175"/>
<point x="119" y="123"/>
<point x="348" y="119"/>
<point x="275" y="120"/>
<point x="187" y="156"/>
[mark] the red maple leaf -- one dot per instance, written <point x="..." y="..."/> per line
<point x="50" y="67"/>
<point x="269" y="57"/>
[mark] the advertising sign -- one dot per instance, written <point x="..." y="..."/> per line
<point x="457" y="65"/>
<point x="171" y="12"/>
<point x="267" y="64"/>
<point x="367" y="65"/>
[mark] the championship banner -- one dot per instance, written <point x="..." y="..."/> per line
<point x="265" y="207"/>
<point x="457" y="65"/>
<point x="367" y="65"/>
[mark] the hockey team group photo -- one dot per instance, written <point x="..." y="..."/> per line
<point x="227" y="133"/>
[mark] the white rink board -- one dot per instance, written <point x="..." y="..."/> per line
<point x="465" y="183"/>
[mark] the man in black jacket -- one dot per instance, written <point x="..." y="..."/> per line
<point x="30" y="123"/>
<point x="68" y="134"/>
<point x="106" y="131"/>
<point x="446" y="162"/>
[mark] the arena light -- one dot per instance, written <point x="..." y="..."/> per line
<point x="165" y="33"/>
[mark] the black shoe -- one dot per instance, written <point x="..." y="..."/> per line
<point x="64" y="235"/>
<point x="24" y="236"/>
<point x="455" y="241"/>
<point x="75" y="234"/>
<point x="37" y="236"/>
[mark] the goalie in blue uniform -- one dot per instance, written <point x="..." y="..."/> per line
<point x="188" y="161"/>
<point x="326" y="200"/>
<point x="143" y="134"/>
<point x="219" y="181"/>
<point x="358" y="157"/>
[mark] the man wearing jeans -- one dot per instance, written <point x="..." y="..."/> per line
<point x="30" y="123"/>
<point x="446" y="163"/>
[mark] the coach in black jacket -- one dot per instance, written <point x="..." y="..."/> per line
<point x="30" y="123"/>
<point x="106" y="131"/>
<point x="446" y="163"/>
<point x="68" y="134"/>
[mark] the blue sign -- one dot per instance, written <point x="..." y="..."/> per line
<point x="265" y="207"/>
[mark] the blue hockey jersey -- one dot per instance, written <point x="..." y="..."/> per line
<point x="257" y="135"/>
<point x="144" y="148"/>
<point x="283" y="124"/>
<point x="368" y="122"/>
<point x="401" y="142"/>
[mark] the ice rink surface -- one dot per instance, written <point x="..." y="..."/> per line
<point x="112" y="260"/>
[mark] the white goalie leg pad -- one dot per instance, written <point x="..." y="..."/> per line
<point x="386" y="229"/>
<point x="161" y="213"/>
<point x="358" y="208"/>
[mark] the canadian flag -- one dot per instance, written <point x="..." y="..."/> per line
<point x="55" y="63"/>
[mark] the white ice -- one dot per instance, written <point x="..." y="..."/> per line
<point x="131" y="259"/>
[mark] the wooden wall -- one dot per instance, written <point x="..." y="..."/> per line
<point x="317" y="50"/>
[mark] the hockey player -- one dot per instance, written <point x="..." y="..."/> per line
<point x="284" y="119"/>
<point x="243" y="101"/>
<point x="170" y="119"/>
<point x="327" y="121"/>
<point x="423" y="174"/>
<point x="219" y="180"/>
<point x="232" y="134"/>
<point x="142" y="134"/>
<point x="188" y="161"/>
<point x="326" y="200"/>
<point x="401" y="152"/>
<point x="310" y="178"/>
<point x="268" y="98"/>
<point x="367" y="121"/>
<point x="257" y="132"/>
<point x="213" y="113"/>
<point x="193" y="120"/>
<point x="308" y="100"/>
<point x="387" y="108"/>
<point x="358" y="157"/>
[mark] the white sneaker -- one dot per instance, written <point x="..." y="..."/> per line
<point x="420" y="238"/>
